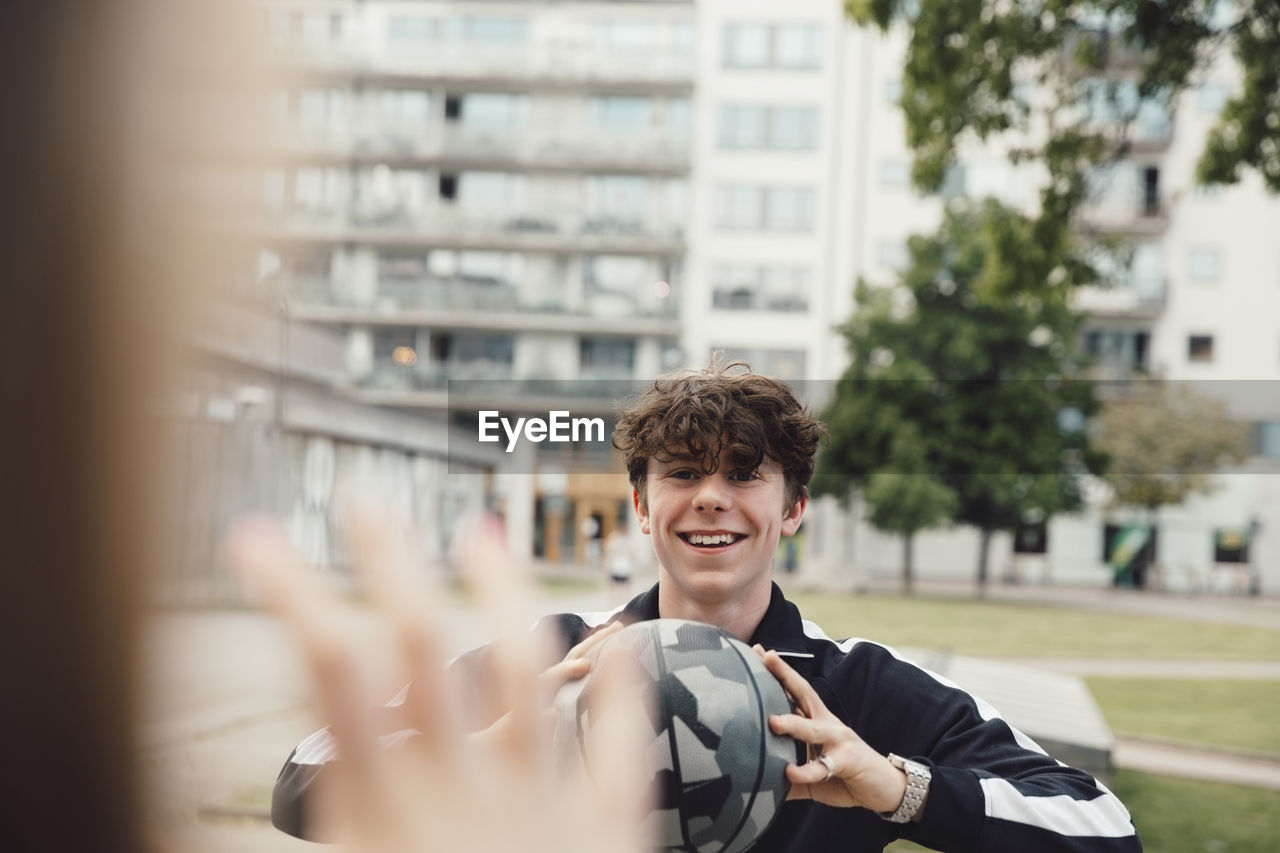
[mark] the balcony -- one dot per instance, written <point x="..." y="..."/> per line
<point x="476" y="385"/>
<point x="445" y="226"/>
<point x="519" y="65"/>
<point x="1148" y="218"/>
<point x="1139" y="299"/>
<point x="571" y="148"/>
<point x="460" y="303"/>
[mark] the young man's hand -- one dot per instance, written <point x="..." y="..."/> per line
<point x="842" y="770"/>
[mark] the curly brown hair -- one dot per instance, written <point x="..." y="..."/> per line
<point x="724" y="407"/>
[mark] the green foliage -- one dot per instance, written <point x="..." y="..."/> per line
<point x="966" y="59"/>
<point x="1164" y="444"/>
<point x="961" y="373"/>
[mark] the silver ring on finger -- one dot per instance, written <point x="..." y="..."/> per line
<point x="825" y="761"/>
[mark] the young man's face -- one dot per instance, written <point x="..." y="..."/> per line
<point x="715" y="534"/>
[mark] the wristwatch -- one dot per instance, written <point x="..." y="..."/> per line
<point x="918" y="778"/>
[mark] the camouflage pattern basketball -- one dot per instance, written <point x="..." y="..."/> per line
<point x="716" y="770"/>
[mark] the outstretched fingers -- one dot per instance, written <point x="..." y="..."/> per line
<point x="259" y="552"/>
<point x="381" y="553"/>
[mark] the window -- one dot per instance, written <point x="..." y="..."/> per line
<point x="396" y="345"/>
<point x="399" y="107"/>
<point x="893" y="254"/>
<point x="1031" y="538"/>
<point x="1200" y="348"/>
<point x="778" y="363"/>
<point x="679" y="120"/>
<point x="1202" y="265"/>
<point x="794" y="128"/>
<point x="1231" y="545"/>
<point x="1210" y="98"/>
<point x="736" y="287"/>
<point x="796" y="46"/>
<point x="744" y="126"/>
<point x="490" y="109"/>
<point x="484" y="29"/>
<point x="892" y="92"/>
<point x="739" y="207"/>
<point x="746" y="46"/>
<point x="788" y="209"/>
<point x="1118" y="348"/>
<point x="489" y="192"/>
<point x="607" y="355"/>
<point x="623" y="197"/>
<point x="622" y="114"/>
<point x="474" y="349"/>
<point x="410" y="29"/>
<point x="769" y="208"/>
<point x="1268" y="435"/>
<point x="895" y="174"/>
<point x="1150" y="191"/>
<point x="626" y="36"/>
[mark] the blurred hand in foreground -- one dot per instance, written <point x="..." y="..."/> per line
<point x="441" y="790"/>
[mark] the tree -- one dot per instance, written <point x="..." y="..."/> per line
<point x="1092" y="65"/>
<point x="971" y="357"/>
<point x="1164" y="443"/>
<point x="905" y="499"/>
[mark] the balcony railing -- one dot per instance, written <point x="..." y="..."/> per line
<point x="489" y="380"/>
<point x="519" y="60"/>
<point x="460" y="295"/>
<point x="568" y="147"/>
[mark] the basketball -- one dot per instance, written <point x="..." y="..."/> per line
<point x="716" y="770"/>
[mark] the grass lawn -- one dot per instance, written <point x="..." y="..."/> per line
<point x="991" y="628"/>
<point x="1184" y="816"/>
<point x="1226" y="712"/>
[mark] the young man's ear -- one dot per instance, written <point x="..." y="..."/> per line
<point x="642" y="511"/>
<point x="793" y="516"/>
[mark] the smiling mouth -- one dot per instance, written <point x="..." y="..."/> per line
<point x="712" y="540"/>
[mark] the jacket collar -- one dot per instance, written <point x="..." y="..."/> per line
<point x="780" y="630"/>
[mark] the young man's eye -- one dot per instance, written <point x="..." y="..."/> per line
<point x="682" y="474"/>
<point x="744" y="476"/>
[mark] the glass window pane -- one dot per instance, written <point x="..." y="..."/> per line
<point x="746" y="46"/>
<point x="494" y="109"/>
<point x="789" y="209"/>
<point x="742" y="127"/>
<point x="498" y="29"/>
<point x="621" y="114"/>
<point x="794" y="128"/>
<point x="629" y="36"/>
<point x="739" y="207"/>
<point x="797" y="46"/>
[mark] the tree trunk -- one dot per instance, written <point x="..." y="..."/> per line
<point x="908" y="570"/>
<point x="984" y="549"/>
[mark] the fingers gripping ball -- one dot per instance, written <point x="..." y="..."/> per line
<point x="716" y="770"/>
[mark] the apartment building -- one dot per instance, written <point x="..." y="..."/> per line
<point x="770" y="257"/>
<point x="1200" y="304"/>
<point x="493" y="195"/>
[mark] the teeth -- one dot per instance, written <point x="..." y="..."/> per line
<point x="715" y="539"/>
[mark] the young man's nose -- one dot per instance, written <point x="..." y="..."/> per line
<point x="712" y="494"/>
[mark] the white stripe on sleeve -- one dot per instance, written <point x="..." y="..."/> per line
<point x="1102" y="816"/>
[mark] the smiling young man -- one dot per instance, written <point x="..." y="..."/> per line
<point x="719" y="462"/>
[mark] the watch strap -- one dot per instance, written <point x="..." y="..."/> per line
<point x="918" y="778"/>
